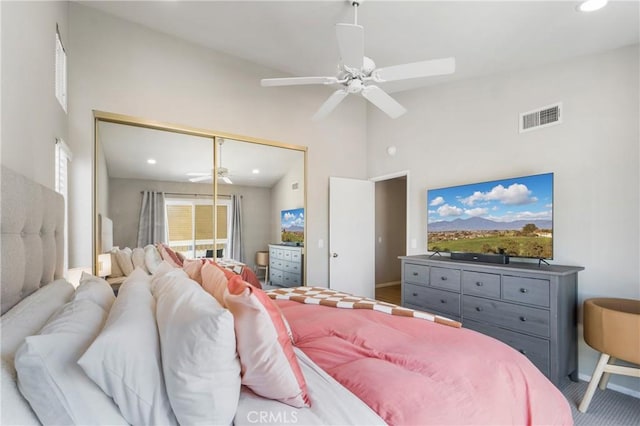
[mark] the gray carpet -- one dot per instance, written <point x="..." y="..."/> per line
<point x="607" y="407"/>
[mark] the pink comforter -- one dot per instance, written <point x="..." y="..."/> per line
<point x="415" y="372"/>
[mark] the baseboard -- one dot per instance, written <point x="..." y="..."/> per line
<point x="389" y="284"/>
<point x="613" y="386"/>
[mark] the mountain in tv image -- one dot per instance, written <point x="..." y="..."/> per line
<point x="481" y="224"/>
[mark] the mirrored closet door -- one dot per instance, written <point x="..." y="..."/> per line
<point x="200" y="193"/>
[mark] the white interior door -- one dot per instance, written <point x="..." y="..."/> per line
<point x="352" y="236"/>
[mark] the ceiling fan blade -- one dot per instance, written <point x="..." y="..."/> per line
<point x="297" y="81"/>
<point x="351" y="45"/>
<point x="415" y="70"/>
<point x="330" y="104"/>
<point x="384" y="102"/>
<point x="226" y="180"/>
<point x="200" y="178"/>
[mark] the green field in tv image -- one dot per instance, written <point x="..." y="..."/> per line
<point x="511" y="216"/>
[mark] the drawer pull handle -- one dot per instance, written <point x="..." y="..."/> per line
<point x="479" y="283"/>
<point x="523" y="319"/>
<point x="478" y="308"/>
<point x="524" y="290"/>
<point x="415" y="294"/>
<point x="443" y="278"/>
<point x="522" y="351"/>
<point x="415" y="274"/>
<point x="443" y="301"/>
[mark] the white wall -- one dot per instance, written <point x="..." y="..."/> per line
<point x="284" y="197"/>
<point x="467" y="132"/>
<point x="121" y="67"/>
<point x="32" y="118"/>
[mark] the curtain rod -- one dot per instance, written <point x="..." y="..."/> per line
<point x="192" y="195"/>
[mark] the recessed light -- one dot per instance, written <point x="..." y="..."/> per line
<point x="591" y="5"/>
<point x="151" y="161"/>
<point x="255" y="171"/>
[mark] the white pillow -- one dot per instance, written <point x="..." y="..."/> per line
<point x="123" y="257"/>
<point x="137" y="258"/>
<point x="197" y="339"/>
<point x="116" y="272"/>
<point x="95" y="289"/>
<point x="152" y="258"/>
<point x="124" y="360"/>
<point x="25" y="319"/>
<point x="49" y="376"/>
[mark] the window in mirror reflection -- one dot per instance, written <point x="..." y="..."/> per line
<point x="190" y="226"/>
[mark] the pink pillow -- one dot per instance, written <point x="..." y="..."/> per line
<point x="169" y="255"/>
<point x="214" y="282"/>
<point x="193" y="268"/>
<point x="269" y="365"/>
<point x="227" y="272"/>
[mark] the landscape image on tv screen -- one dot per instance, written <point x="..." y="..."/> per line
<point x="292" y="225"/>
<point x="511" y="216"/>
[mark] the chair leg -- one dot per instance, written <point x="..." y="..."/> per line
<point x="605" y="377"/>
<point x="597" y="374"/>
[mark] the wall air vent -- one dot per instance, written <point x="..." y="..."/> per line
<point x="541" y="117"/>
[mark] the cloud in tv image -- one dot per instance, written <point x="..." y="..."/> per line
<point x="292" y="225"/>
<point x="512" y="216"/>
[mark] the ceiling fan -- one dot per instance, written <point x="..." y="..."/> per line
<point x="223" y="172"/>
<point x="358" y="73"/>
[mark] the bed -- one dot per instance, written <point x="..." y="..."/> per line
<point x="345" y="366"/>
<point x="123" y="261"/>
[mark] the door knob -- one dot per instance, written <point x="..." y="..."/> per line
<point x="334" y="254"/>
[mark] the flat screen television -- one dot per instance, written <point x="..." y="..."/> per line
<point x="509" y="216"/>
<point x="292" y="226"/>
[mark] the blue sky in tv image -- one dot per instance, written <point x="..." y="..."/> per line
<point x="512" y="200"/>
<point x="292" y="218"/>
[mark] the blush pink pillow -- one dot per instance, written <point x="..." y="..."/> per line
<point x="269" y="365"/>
<point x="169" y="255"/>
<point x="227" y="272"/>
<point x="193" y="268"/>
<point x="214" y="282"/>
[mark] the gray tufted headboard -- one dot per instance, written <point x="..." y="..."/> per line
<point x="32" y="237"/>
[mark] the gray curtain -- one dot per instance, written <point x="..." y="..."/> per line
<point x="236" y="245"/>
<point x="151" y="225"/>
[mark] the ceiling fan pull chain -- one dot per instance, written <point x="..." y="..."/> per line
<point x="355" y="8"/>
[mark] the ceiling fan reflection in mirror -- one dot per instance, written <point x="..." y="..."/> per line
<point x="358" y="73"/>
<point x="223" y="172"/>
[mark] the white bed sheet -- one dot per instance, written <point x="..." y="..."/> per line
<point x="331" y="403"/>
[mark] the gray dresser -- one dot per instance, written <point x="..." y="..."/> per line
<point x="533" y="309"/>
<point x="285" y="265"/>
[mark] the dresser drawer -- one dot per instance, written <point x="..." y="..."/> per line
<point x="531" y="291"/>
<point x="431" y="299"/>
<point x="296" y="256"/>
<point x="417" y="274"/>
<point x="291" y="267"/>
<point x="276" y="277"/>
<point x="291" y="279"/>
<point x="445" y="278"/>
<point x="481" y="284"/>
<point x="432" y="311"/>
<point x="515" y="317"/>
<point x="534" y="348"/>
<point x="277" y="263"/>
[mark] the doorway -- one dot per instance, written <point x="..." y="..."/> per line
<point x="390" y="235"/>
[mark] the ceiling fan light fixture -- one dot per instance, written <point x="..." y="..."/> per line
<point x="592" y="5"/>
